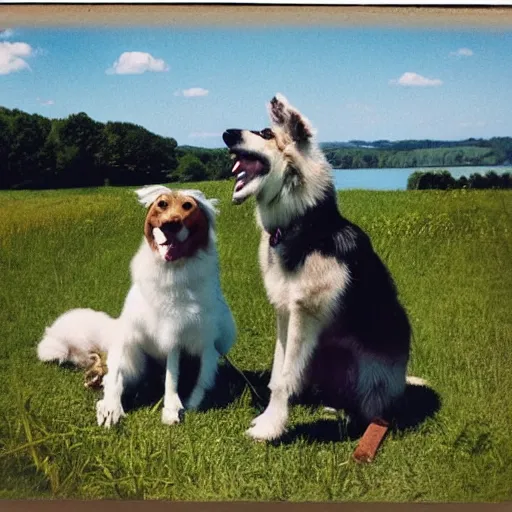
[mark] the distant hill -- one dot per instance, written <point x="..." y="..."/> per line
<point x="399" y="145"/>
<point x="356" y="154"/>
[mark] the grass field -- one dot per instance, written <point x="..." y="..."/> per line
<point x="450" y="254"/>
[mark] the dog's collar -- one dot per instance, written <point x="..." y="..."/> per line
<point x="275" y="237"/>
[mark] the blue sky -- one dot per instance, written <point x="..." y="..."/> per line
<point x="191" y="84"/>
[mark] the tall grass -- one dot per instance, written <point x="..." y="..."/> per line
<point x="450" y="254"/>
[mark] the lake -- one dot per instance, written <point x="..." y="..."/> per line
<point x="396" y="179"/>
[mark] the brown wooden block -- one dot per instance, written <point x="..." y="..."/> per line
<point x="370" y="441"/>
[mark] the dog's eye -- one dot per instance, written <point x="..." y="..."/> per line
<point x="187" y="205"/>
<point x="267" y="134"/>
<point x="162" y="204"/>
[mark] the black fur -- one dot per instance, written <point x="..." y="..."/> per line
<point x="277" y="111"/>
<point x="369" y="309"/>
<point x="232" y="137"/>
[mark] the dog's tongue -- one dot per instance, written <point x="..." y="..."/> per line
<point x="249" y="166"/>
<point x="168" y="242"/>
<point x="175" y="251"/>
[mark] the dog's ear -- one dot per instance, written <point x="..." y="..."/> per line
<point x="147" y="195"/>
<point x="282" y="114"/>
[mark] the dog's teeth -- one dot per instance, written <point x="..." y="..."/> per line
<point x="235" y="167"/>
<point x="240" y="175"/>
<point x="158" y="235"/>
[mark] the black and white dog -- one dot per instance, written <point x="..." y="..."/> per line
<point x="340" y="326"/>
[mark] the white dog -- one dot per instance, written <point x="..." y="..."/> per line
<point x="175" y="303"/>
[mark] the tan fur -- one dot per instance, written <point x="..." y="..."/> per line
<point x="314" y="289"/>
<point x="297" y="180"/>
<point x="170" y="208"/>
<point x="96" y="371"/>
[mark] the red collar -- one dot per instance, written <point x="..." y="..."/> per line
<point x="275" y="237"/>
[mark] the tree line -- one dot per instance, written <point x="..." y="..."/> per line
<point x="499" y="147"/>
<point x="443" y="180"/>
<point x="77" y="151"/>
<point x="364" y="158"/>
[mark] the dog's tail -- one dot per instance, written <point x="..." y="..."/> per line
<point x="415" y="381"/>
<point x="75" y="335"/>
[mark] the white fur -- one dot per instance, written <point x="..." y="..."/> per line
<point x="415" y="381"/>
<point x="170" y="307"/>
<point x="74" y="335"/>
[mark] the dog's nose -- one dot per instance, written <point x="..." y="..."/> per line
<point x="232" y="137"/>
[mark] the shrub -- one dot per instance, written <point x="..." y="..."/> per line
<point x="443" y="180"/>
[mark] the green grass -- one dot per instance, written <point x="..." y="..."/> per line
<point x="450" y="254"/>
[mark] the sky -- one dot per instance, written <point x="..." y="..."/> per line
<point x="193" y="83"/>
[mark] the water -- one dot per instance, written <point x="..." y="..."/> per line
<point x="396" y="179"/>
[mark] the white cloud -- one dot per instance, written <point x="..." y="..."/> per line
<point x="193" y="92"/>
<point x="12" y="57"/>
<point x="45" y="103"/>
<point x="5" y="33"/>
<point x="136" y="63"/>
<point x="203" y="135"/>
<point x="462" y="52"/>
<point x="410" y="79"/>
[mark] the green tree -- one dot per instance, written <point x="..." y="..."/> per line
<point x="506" y="180"/>
<point x="133" y="155"/>
<point x="414" y="180"/>
<point x="476" y="180"/>
<point x="76" y="142"/>
<point x="27" y="138"/>
<point x="190" y="168"/>
<point x="5" y="143"/>
<point x="493" y="180"/>
<point x="443" y="180"/>
<point x="462" y="182"/>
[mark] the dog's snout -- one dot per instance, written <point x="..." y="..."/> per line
<point x="232" y="137"/>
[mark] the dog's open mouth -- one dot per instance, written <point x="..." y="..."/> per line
<point x="247" y="167"/>
<point x="171" y="246"/>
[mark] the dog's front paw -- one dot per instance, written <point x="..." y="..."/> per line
<point x="171" y="416"/>
<point x="108" y="413"/>
<point x="266" y="427"/>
